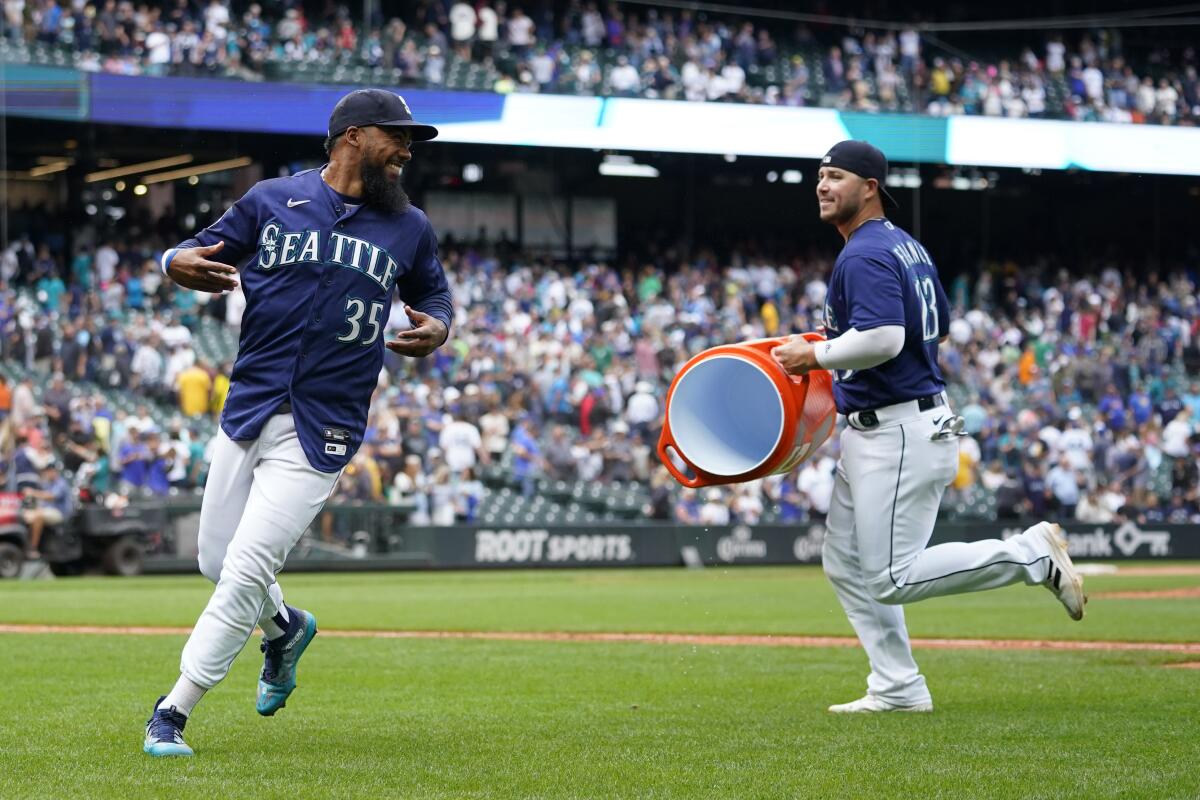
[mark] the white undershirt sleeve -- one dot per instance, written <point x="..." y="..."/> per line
<point x="857" y="349"/>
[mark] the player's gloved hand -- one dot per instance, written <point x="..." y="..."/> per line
<point x="797" y="357"/>
<point x="426" y="335"/>
<point x="191" y="269"/>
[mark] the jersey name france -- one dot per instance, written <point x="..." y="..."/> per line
<point x="885" y="277"/>
<point x="319" y="276"/>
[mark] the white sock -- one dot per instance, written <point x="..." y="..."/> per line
<point x="184" y="696"/>
<point x="275" y="625"/>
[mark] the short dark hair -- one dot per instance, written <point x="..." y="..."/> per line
<point x="331" y="142"/>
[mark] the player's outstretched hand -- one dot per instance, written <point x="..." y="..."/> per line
<point x="426" y="335"/>
<point x="797" y="356"/>
<point x="191" y="269"/>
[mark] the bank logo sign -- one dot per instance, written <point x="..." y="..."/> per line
<point x="540" y="546"/>
<point x="1127" y="540"/>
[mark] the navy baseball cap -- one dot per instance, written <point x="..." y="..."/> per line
<point x="864" y="160"/>
<point x="364" y="107"/>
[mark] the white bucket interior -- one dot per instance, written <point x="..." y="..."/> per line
<point x="726" y="415"/>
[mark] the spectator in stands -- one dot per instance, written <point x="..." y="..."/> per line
<point x="47" y="503"/>
<point x="527" y="460"/>
<point x="194" y="386"/>
<point x="1063" y="484"/>
<point x="715" y="510"/>
<point x="560" y="455"/>
<point x="1092" y="510"/>
<point x="220" y="389"/>
<point x="159" y="461"/>
<point x="747" y="504"/>
<point x="148" y="367"/>
<point x="624" y="79"/>
<point x="6" y="398"/>
<point x="815" y="483"/>
<point x="599" y="334"/>
<point x="24" y="406"/>
<point x="717" y="56"/>
<point x="56" y="404"/>
<point x="77" y="447"/>
<point x="642" y="411"/>
<point x="442" y="494"/>
<point x="411" y="486"/>
<point x="462" y="445"/>
<point x="658" y="507"/>
<point x="133" y="462"/>
<point x="468" y="495"/>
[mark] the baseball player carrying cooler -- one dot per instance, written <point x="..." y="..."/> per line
<point x="320" y="255"/>
<point x="885" y="313"/>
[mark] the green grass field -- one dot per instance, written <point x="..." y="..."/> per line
<point x="474" y="719"/>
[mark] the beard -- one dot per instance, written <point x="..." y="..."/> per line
<point x="381" y="191"/>
<point x="847" y="210"/>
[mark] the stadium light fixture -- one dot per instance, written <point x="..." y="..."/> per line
<point x="904" y="179"/>
<point x="20" y="175"/>
<point x="203" y="169"/>
<point x="472" y="173"/>
<point x="131" y="169"/>
<point x="626" y="167"/>
<point x="140" y="190"/>
<point x="792" y="176"/>
<point x="50" y="167"/>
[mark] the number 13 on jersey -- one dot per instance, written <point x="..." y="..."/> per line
<point x="929" y="308"/>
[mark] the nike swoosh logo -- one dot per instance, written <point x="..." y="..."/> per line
<point x="293" y="203"/>
<point x="938" y="421"/>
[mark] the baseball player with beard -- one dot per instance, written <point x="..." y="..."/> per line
<point x="885" y="314"/>
<point x="320" y="255"/>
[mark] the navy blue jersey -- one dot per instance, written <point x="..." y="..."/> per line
<point x="319" y="279"/>
<point x="885" y="277"/>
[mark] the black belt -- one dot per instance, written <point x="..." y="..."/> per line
<point x="868" y="418"/>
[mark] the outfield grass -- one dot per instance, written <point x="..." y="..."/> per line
<point x="776" y="600"/>
<point x="477" y="719"/>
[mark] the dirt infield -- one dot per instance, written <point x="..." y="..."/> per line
<point x="1136" y="572"/>
<point x="1150" y="594"/>
<point x="706" y="640"/>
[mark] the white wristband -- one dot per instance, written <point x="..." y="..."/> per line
<point x="166" y="259"/>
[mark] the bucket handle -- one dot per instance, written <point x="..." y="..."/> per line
<point x="667" y="442"/>
<point x="767" y="345"/>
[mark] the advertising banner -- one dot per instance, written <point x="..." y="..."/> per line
<point x="384" y="542"/>
<point x="623" y="123"/>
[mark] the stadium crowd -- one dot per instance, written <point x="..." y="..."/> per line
<point x="605" y="48"/>
<point x="1073" y="387"/>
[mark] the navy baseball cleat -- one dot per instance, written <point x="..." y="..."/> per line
<point x="278" y="678"/>
<point x="164" y="732"/>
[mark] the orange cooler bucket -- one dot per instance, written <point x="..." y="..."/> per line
<point x="734" y="415"/>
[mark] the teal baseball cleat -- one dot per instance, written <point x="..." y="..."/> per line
<point x="278" y="678"/>
<point x="164" y="732"/>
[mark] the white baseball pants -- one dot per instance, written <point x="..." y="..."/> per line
<point x="259" y="499"/>
<point x="888" y="487"/>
